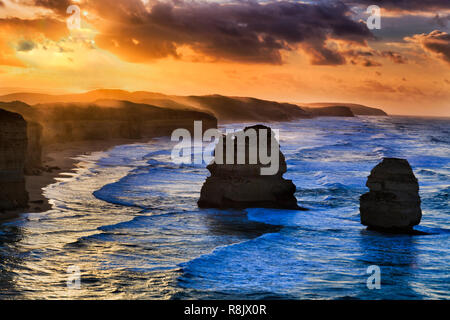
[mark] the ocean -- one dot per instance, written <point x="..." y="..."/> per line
<point x="127" y="220"/>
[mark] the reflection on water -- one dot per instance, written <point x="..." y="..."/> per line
<point x="9" y="235"/>
<point x="128" y="219"/>
<point x="397" y="256"/>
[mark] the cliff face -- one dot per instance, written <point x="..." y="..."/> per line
<point x="33" y="161"/>
<point x="13" y="149"/>
<point x="114" y="119"/>
<point x="103" y="120"/>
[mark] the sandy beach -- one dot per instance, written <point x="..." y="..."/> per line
<point x="59" y="159"/>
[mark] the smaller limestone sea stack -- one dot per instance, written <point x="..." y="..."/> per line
<point x="393" y="202"/>
<point x="245" y="184"/>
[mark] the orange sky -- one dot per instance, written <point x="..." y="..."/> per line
<point x="233" y="49"/>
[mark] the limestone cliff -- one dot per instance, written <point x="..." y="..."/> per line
<point x="13" y="148"/>
<point x="33" y="161"/>
<point x="103" y="120"/>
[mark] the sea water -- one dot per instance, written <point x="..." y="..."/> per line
<point x="127" y="219"/>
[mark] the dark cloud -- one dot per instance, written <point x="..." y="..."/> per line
<point x="245" y="31"/>
<point x="363" y="57"/>
<point x="404" y="5"/>
<point x="371" y="63"/>
<point x="394" y="56"/>
<point x="436" y="42"/>
<point x="59" y="6"/>
<point x="366" y="56"/>
<point x="25" y="45"/>
<point x="321" y="55"/>
<point x="441" y="21"/>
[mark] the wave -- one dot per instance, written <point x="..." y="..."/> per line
<point x="134" y="214"/>
<point x="440" y="139"/>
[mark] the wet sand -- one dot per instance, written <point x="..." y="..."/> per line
<point x="59" y="159"/>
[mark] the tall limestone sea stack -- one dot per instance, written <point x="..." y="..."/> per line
<point x="13" y="150"/>
<point x="234" y="185"/>
<point x="393" y="202"/>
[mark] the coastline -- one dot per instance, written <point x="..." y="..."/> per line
<point x="58" y="159"/>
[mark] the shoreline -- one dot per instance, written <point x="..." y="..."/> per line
<point x="59" y="159"/>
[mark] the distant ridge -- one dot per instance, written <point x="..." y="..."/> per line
<point x="331" y="111"/>
<point x="90" y="96"/>
<point x="357" y="109"/>
<point x="224" y="108"/>
<point x="244" y="109"/>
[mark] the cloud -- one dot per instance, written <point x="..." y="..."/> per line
<point x="436" y="42"/>
<point x="377" y="86"/>
<point x="402" y="5"/>
<point x="394" y="56"/>
<point x="244" y="31"/>
<point x="33" y="30"/>
<point x="366" y="56"/>
<point x="26" y="45"/>
<point x="321" y="55"/>
<point x="58" y="6"/>
<point x="360" y="56"/>
<point x="391" y="89"/>
<point x="441" y="21"/>
<point x="16" y="27"/>
<point x="371" y="63"/>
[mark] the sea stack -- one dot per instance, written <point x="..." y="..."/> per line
<point x="245" y="185"/>
<point x="393" y="202"/>
<point x="13" y="150"/>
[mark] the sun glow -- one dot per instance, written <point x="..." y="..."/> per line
<point x="39" y="51"/>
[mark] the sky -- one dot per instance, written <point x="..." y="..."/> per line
<point x="288" y="51"/>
